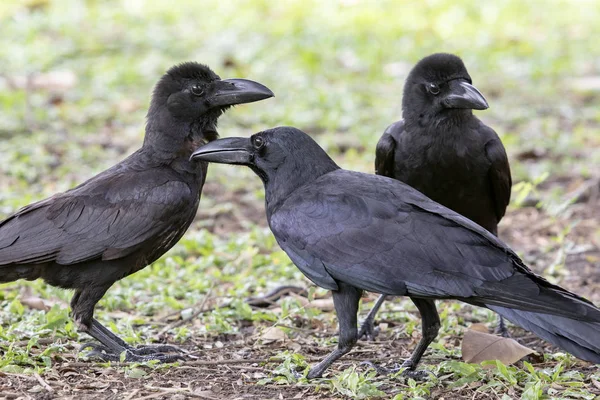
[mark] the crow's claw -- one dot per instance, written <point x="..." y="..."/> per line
<point x="139" y="354"/>
<point x="368" y="331"/>
<point x="417" y="375"/>
<point x="409" y="372"/>
<point x="143" y="350"/>
<point x="501" y="328"/>
<point x="295" y="373"/>
<point x="94" y="347"/>
<point x="382" y="370"/>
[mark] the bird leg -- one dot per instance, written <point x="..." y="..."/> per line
<point x="111" y="347"/>
<point x="367" y="329"/>
<point x="345" y="300"/>
<point x="430" y="321"/>
<point x="501" y="328"/>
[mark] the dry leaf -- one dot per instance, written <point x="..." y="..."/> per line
<point x="321" y="304"/>
<point x="479" y="328"/>
<point x="273" y="334"/>
<point x="295" y="346"/>
<point x="36" y="303"/>
<point x="480" y="346"/>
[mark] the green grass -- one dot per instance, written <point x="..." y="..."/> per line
<point x="337" y="69"/>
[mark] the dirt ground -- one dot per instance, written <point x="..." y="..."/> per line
<point x="229" y="366"/>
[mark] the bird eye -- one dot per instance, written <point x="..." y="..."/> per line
<point x="433" y="89"/>
<point x="258" y="142"/>
<point x="197" y="90"/>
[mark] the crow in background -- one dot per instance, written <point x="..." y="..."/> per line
<point x="128" y="216"/>
<point x="441" y="149"/>
<point x="349" y="231"/>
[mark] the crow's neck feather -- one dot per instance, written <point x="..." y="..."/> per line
<point x="281" y="183"/>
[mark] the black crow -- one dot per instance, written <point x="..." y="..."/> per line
<point x="441" y="149"/>
<point x="349" y="231"/>
<point x="126" y="217"/>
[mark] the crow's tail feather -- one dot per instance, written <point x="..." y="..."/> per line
<point x="580" y="338"/>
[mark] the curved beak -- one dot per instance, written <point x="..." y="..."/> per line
<point x="464" y="95"/>
<point x="229" y="92"/>
<point x="234" y="150"/>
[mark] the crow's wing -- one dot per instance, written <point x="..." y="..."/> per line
<point x="499" y="173"/>
<point x="108" y="217"/>
<point x="380" y="235"/>
<point x="386" y="149"/>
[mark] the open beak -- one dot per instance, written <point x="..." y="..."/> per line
<point x="229" y="92"/>
<point x="234" y="150"/>
<point x="464" y="95"/>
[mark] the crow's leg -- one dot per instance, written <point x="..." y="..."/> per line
<point x="430" y="327"/>
<point x="501" y="328"/>
<point x="82" y="310"/>
<point x="368" y="329"/>
<point x="345" y="300"/>
<point x="430" y="321"/>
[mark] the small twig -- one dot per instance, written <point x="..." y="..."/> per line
<point x="189" y="363"/>
<point x="23" y="376"/>
<point x="258" y="302"/>
<point x="236" y="361"/>
<point x="172" y="390"/>
<point x="194" y="315"/>
<point x="43" y="382"/>
<point x="131" y="395"/>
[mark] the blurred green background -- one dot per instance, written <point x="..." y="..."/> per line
<point x="75" y="83"/>
<point x="75" y="76"/>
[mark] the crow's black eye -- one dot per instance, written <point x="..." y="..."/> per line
<point x="433" y="89"/>
<point x="258" y="142"/>
<point x="197" y="90"/>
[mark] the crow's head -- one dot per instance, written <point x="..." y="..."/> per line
<point x="191" y="93"/>
<point x="284" y="157"/>
<point x="439" y="86"/>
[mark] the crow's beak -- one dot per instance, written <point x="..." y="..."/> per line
<point x="235" y="150"/>
<point x="464" y="95"/>
<point x="230" y="92"/>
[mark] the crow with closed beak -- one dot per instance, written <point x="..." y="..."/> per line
<point x="126" y="217"/>
<point x="349" y="231"/>
<point x="441" y="149"/>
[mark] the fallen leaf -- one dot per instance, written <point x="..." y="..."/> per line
<point x="295" y="346"/>
<point x="479" y="328"/>
<point x="321" y="304"/>
<point x="481" y="346"/>
<point x="36" y="303"/>
<point x="273" y="334"/>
